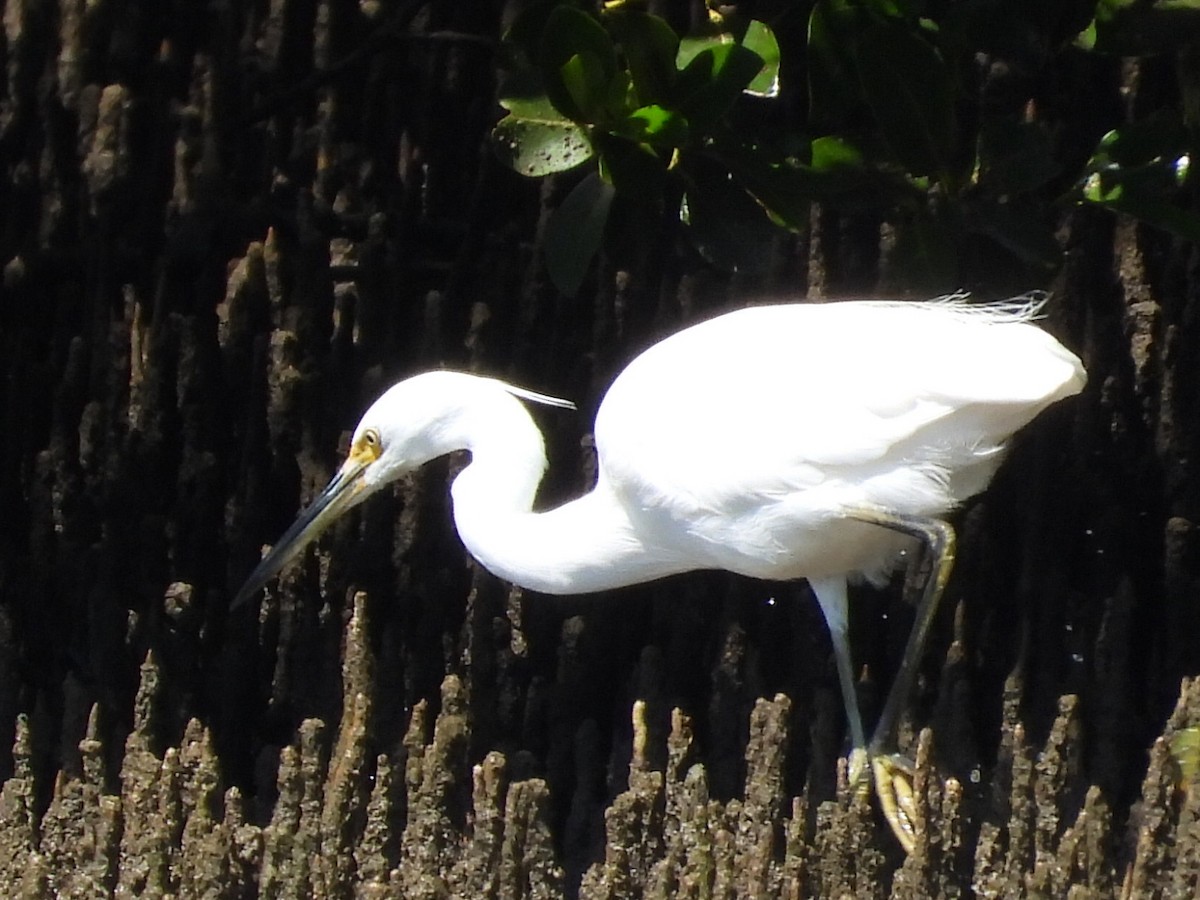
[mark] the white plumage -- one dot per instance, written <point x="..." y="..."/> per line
<point x="779" y="442"/>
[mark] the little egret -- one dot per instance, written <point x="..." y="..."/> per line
<point x="787" y="441"/>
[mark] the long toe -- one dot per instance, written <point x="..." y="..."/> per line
<point x="858" y="771"/>
<point x="894" y="786"/>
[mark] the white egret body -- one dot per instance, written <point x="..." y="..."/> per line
<point x="774" y="442"/>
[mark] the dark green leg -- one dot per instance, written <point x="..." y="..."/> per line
<point x="892" y="772"/>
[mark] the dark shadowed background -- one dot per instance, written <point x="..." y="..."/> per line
<point x="225" y="227"/>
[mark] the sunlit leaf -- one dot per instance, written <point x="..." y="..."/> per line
<point x="657" y="125"/>
<point x="1146" y="206"/>
<point x="535" y="106"/>
<point x="761" y="40"/>
<point x="1139" y="169"/>
<point x="586" y="80"/>
<point x="1150" y="141"/>
<point x="830" y="152"/>
<point x="692" y="46"/>
<point x="540" y="147"/>
<point x="578" y="62"/>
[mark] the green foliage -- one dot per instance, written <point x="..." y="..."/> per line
<point x="574" y="232"/>
<point x="868" y="55"/>
<point x="684" y="131"/>
<point x="760" y="40"/>
<point x="651" y="110"/>
<point x="1140" y="28"/>
<point x="1140" y="169"/>
<point x="536" y="139"/>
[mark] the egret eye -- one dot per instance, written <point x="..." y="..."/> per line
<point x="367" y="445"/>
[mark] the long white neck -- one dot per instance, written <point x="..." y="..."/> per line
<point x="585" y="545"/>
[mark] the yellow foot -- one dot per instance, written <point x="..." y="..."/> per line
<point x="857" y="771"/>
<point x="894" y="787"/>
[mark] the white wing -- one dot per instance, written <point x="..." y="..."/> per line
<point x="770" y="401"/>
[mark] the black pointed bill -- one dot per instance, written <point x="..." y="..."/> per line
<point x="340" y="494"/>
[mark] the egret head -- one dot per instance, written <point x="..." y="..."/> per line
<point x="413" y="422"/>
